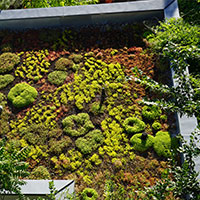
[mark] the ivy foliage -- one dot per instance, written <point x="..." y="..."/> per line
<point x="180" y="42"/>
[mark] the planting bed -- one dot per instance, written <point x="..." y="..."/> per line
<point x="70" y="95"/>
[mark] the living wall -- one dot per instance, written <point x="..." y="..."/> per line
<point x="73" y="101"/>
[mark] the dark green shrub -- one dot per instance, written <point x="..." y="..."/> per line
<point x="162" y="144"/>
<point x="58" y="146"/>
<point x="90" y="141"/>
<point x="8" y="61"/>
<point x="40" y="172"/>
<point x="151" y="112"/>
<point x="81" y="122"/>
<point x="134" y="125"/>
<point x="22" y="95"/>
<point x="156" y="126"/>
<point x="6" y="80"/>
<point x="63" y="64"/>
<point x="141" y="145"/>
<point x="57" y="77"/>
<point x="89" y="194"/>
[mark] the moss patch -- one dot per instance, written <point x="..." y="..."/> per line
<point x="162" y="144"/>
<point x="141" y="145"/>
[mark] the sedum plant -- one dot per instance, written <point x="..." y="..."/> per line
<point x="6" y="80"/>
<point x="57" y="77"/>
<point x="134" y="125"/>
<point x="22" y="94"/>
<point x="90" y="141"/>
<point x="141" y="145"/>
<point x="8" y="61"/>
<point x="81" y="122"/>
<point x="162" y="144"/>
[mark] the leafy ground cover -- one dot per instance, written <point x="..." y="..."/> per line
<point x="74" y="102"/>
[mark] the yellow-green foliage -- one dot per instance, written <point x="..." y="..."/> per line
<point x="4" y="118"/>
<point x="34" y="65"/>
<point x="40" y="172"/>
<point x="134" y="125"/>
<point x="8" y="61"/>
<point x="162" y="144"/>
<point x="89" y="194"/>
<point x="90" y="141"/>
<point x="141" y="145"/>
<point x="151" y="112"/>
<point x="114" y="139"/>
<point x="22" y="95"/>
<point x="81" y="121"/>
<point x="95" y="159"/>
<point x="63" y="64"/>
<point x="6" y="80"/>
<point x="156" y="126"/>
<point x="57" y="77"/>
<point x="40" y="114"/>
<point x="89" y="81"/>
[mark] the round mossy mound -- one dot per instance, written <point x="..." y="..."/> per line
<point x="6" y="80"/>
<point x="162" y="144"/>
<point x="8" y="61"/>
<point x="40" y="172"/>
<point x="141" y="145"/>
<point x="22" y="95"/>
<point x="57" y="77"/>
<point x="63" y="64"/>
<point x="81" y="122"/>
<point x="90" y="141"/>
<point x="156" y="126"/>
<point x="134" y="125"/>
<point x="151" y="112"/>
<point x="89" y="194"/>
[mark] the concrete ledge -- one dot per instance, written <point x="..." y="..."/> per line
<point x="83" y="15"/>
<point x="40" y="188"/>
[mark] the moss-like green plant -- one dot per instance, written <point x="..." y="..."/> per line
<point x="81" y="121"/>
<point x="95" y="108"/>
<point x="151" y="112"/>
<point x="57" y="77"/>
<point x="162" y="144"/>
<point x="141" y="145"/>
<point x="6" y="80"/>
<point x="90" y="141"/>
<point x="89" y="194"/>
<point x="63" y="64"/>
<point x="156" y="126"/>
<point x="4" y="117"/>
<point x="76" y="57"/>
<point x="40" y="172"/>
<point x="58" y="146"/>
<point x="134" y="125"/>
<point x="35" y="134"/>
<point x="22" y="95"/>
<point x="8" y="61"/>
